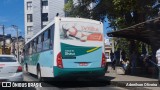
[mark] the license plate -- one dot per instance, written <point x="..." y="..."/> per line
<point x="83" y="64"/>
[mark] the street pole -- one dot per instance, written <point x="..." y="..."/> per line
<point x="3" y="51"/>
<point x="16" y="28"/>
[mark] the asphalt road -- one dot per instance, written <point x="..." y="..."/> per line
<point x="72" y="84"/>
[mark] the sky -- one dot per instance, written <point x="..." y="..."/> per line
<point x="12" y="13"/>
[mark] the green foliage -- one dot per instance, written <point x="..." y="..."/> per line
<point x="120" y="14"/>
<point x="80" y="9"/>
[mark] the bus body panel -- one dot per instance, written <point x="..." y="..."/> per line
<point x="79" y="72"/>
<point x="83" y="55"/>
<point x="44" y="59"/>
<point x="80" y="55"/>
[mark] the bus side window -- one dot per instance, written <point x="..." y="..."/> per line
<point x="42" y="39"/>
<point x="51" y="36"/>
<point x="30" y="48"/>
<point x="34" y="45"/>
<point x="39" y="45"/>
<point x="46" y="40"/>
<point x="27" y="49"/>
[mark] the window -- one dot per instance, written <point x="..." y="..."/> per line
<point x="30" y="48"/>
<point x="42" y="38"/>
<point x="34" y="45"/>
<point x="46" y="41"/>
<point x="27" y="49"/>
<point x="39" y="44"/>
<point x="51" y="36"/>
<point x="29" y="18"/>
<point x="29" y="5"/>
<point x="44" y="16"/>
<point x="45" y="35"/>
<point x="45" y="4"/>
<point x="29" y="29"/>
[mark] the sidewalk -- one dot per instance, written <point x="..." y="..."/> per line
<point x="121" y="80"/>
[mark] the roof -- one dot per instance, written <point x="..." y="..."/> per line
<point x="147" y="32"/>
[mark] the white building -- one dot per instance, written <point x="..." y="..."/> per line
<point x="38" y="13"/>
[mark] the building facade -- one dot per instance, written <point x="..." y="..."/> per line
<point x="38" y="13"/>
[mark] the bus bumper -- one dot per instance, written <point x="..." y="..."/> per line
<point x="78" y="72"/>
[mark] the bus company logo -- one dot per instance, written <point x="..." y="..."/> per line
<point x="6" y="84"/>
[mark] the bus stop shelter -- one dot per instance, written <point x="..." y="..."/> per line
<point x="147" y="32"/>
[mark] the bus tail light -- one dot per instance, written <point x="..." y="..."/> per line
<point x="19" y="69"/>
<point x="59" y="60"/>
<point x="103" y="63"/>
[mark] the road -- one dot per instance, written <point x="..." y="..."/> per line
<point x="79" y="84"/>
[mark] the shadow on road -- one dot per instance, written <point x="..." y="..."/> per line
<point x="81" y="82"/>
<point x="75" y="82"/>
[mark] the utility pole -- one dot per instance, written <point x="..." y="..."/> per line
<point x="3" y="51"/>
<point x="16" y="28"/>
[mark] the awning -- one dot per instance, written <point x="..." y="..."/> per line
<point x="148" y="32"/>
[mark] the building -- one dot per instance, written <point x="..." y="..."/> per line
<point x="14" y="45"/>
<point x="11" y="44"/>
<point x="38" y="13"/>
<point x="108" y="49"/>
<point x="7" y="40"/>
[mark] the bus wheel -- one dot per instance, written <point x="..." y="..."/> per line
<point x="39" y="74"/>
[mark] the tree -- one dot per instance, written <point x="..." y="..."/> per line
<point x="120" y="13"/>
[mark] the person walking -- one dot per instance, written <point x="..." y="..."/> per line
<point x="112" y="59"/>
<point x="111" y="56"/>
<point x="117" y="57"/>
<point x="133" y="62"/>
<point x="158" y="62"/>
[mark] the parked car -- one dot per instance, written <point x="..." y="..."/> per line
<point x="10" y="69"/>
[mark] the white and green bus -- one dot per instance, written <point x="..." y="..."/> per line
<point x="67" y="47"/>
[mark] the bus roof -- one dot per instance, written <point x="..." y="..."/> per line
<point x="64" y="19"/>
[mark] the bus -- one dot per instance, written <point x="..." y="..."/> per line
<point x="67" y="47"/>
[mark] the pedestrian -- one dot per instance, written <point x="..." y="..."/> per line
<point x="117" y="56"/>
<point x="111" y="56"/>
<point x="133" y="62"/>
<point x="125" y="64"/>
<point x="112" y="60"/>
<point x="158" y="62"/>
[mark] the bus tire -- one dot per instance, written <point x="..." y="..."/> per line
<point x="39" y="73"/>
